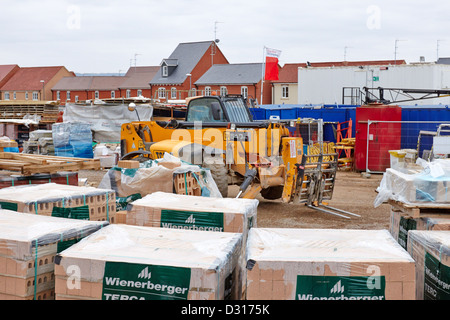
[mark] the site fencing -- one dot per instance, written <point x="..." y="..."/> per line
<point x="374" y="140"/>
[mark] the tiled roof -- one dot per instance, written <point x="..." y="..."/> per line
<point x="88" y="83"/>
<point x="6" y="71"/>
<point x="289" y="72"/>
<point x="30" y="78"/>
<point x="240" y="73"/>
<point x="187" y="56"/>
<point x="139" y="77"/>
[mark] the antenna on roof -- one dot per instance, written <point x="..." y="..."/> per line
<point x="213" y="47"/>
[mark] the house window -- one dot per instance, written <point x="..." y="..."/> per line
<point x="35" y="95"/>
<point x="128" y="93"/>
<point x="207" y="91"/>
<point x="97" y="95"/>
<point x="173" y="93"/>
<point x="76" y="98"/>
<point x="68" y="95"/>
<point x="26" y="95"/>
<point x="223" y="91"/>
<point x="139" y="93"/>
<point x="285" y="92"/>
<point x="162" y="93"/>
<point x="165" y="71"/>
<point x="14" y="95"/>
<point x="113" y="94"/>
<point x="6" y="95"/>
<point x="58" y="95"/>
<point x="193" y="92"/>
<point x="244" y="92"/>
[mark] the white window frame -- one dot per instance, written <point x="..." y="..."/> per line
<point x="173" y="93"/>
<point x="6" y="95"/>
<point x="139" y="93"/>
<point x="58" y="95"/>
<point x="14" y="95"/>
<point x="35" y="95"/>
<point x="207" y="91"/>
<point x="223" y="91"/>
<point x="96" y="94"/>
<point x="113" y="94"/>
<point x="128" y="93"/>
<point x="68" y="95"/>
<point x="162" y="93"/>
<point x="26" y="95"/>
<point x="285" y="91"/>
<point x="244" y="91"/>
<point x="165" y="71"/>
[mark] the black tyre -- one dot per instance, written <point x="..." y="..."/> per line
<point x="219" y="173"/>
<point x="272" y="193"/>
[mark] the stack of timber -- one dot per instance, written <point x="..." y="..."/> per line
<point x="47" y="110"/>
<point x="28" y="164"/>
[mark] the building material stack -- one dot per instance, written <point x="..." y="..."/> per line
<point x="431" y="251"/>
<point x="39" y="142"/>
<point x="51" y="199"/>
<point x="327" y="264"/>
<point x="73" y="139"/>
<point x="28" y="246"/>
<point x="123" y="262"/>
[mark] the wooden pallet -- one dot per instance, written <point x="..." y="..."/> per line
<point x="420" y="210"/>
<point x="32" y="163"/>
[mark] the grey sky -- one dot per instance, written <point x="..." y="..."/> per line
<point x="104" y="35"/>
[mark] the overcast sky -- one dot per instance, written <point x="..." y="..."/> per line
<point x="104" y="35"/>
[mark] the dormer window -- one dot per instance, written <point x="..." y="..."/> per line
<point x="165" y="71"/>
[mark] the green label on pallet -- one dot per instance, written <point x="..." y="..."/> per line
<point x="81" y="213"/>
<point x="437" y="279"/>
<point x="405" y="225"/>
<point x="340" y="288"/>
<point x="8" y="206"/>
<point x="130" y="281"/>
<point x="190" y="220"/>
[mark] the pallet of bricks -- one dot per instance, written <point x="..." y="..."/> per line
<point x="68" y="178"/>
<point x="184" y="212"/>
<point x="420" y="206"/>
<point x="124" y="262"/>
<point x="327" y="264"/>
<point x="28" y="246"/>
<point x="51" y="199"/>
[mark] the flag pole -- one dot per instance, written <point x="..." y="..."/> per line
<point x="262" y="74"/>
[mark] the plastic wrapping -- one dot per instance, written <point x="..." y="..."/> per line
<point x="431" y="252"/>
<point x="170" y="210"/>
<point x="51" y="199"/>
<point x="400" y="224"/>
<point x="27" y="241"/>
<point x="157" y="176"/>
<point x="72" y="139"/>
<point x="327" y="264"/>
<point x="431" y="184"/>
<point x="130" y="262"/>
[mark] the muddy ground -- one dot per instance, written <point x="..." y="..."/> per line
<point x="352" y="193"/>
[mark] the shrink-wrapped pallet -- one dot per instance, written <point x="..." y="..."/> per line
<point x="431" y="252"/>
<point x="400" y="224"/>
<point x="58" y="200"/>
<point x="327" y="264"/>
<point x="168" y="210"/>
<point x="123" y="262"/>
<point x="28" y="246"/>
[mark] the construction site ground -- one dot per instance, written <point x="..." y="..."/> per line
<point x="352" y="192"/>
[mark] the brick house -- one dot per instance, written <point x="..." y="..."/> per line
<point x="33" y="83"/>
<point x="137" y="80"/>
<point x="6" y="72"/>
<point x="239" y="78"/>
<point x="73" y="89"/>
<point x="177" y="74"/>
<point x="285" y="89"/>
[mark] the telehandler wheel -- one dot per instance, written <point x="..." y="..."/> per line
<point x="219" y="173"/>
<point x="272" y="193"/>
